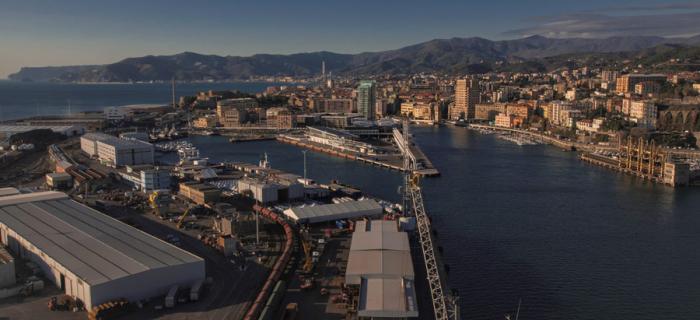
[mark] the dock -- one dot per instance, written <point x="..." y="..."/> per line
<point x="395" y="163"/>
<point x="614" y="164"/>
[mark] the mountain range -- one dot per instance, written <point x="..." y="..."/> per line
<point x="454" y="56"/>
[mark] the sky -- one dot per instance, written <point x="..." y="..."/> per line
<point x="77" y="32"/>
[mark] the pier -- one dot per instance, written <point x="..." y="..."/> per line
<point x="614" y="164"/>
<point x="385" y="161"/>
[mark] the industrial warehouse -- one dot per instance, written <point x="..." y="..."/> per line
<point x="350" y="209"/>
<point x="380" y="271"/>
<point x="115" y="152"/>
<point x="89" y="255"/>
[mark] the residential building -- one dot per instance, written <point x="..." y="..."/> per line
<point x="518" y="110"/>
<point x="647" y="88"/>
<point x="609" y="75"/>
<point x="572" y="94"/>
<point x="233" y="112"/>
<point x="590" y="125"/>
<point x="467" y="95"/>
<point x="367" y="99"/>
<point x="488" y="111"/>
<point x="335" y="105"/>
<point x="505" y="120"/>
<point x="626" y="83"/>
<point x="557" y="109"/>
<point x="206" y="122"/>
<point x="418" y="110"/>
<point x="644" y="113"/>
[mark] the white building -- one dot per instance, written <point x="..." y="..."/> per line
<point x="335" y="211"/>
<point x="117" y="152"/>
<point x="590" y="125"/>
<point x="380" y="266"/>
<point x="90" y="255"/>
<point x="261" y="191"/>
<point x="147" y="178"/>
<point x="572" y="94"/>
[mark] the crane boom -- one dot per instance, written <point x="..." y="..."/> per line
<point x="414" y="196"/>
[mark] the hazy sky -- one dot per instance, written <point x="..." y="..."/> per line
<point x="68" y="32"/>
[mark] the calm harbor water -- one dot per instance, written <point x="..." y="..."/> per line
<point x="573" y="241"/>
<point x="25" y="99"/>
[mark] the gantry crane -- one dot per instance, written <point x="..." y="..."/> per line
<point x="444" y="305"/>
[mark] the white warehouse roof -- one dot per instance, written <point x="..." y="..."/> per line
<point x="376" y="226"/>
<point x="396" y="241"/>
<point x="378" y="264"/>
<point x="387" y="298"/>
<point x="336" y="211"/>
<point x="93" y="246"/>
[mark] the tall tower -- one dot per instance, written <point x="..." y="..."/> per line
<point x="367" y="99"/>
<point x="467" y="95"/>
<point x="323" y="73"/>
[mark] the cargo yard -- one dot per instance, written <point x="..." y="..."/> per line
<point x="266" y="244"/>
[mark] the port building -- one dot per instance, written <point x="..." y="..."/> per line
<point x="117" y="152"/>
<point x="90" y="255"/>
<point x="335" y="211"/>
<point x="380" y="271"/>
<point x="7" y="131"/>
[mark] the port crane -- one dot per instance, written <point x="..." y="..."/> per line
<point x="445" y="305"/>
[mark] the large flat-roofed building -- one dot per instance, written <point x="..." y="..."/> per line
<point x="200" y="193"/>
<point x="7" y="131"/>
<point x="89" y="255"/>
<point x="117" y="152"/>
<point x="380" y="271"/>
<point x="335" y="211"/>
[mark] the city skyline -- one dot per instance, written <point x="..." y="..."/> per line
<point x="40" y="33"/>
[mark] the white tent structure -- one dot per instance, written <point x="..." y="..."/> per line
<point x="335" y="211"/>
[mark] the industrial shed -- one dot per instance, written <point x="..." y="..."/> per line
<point x="376" y="226"/>
<point x="387" y="298"/>
<point x="380" y="270"/>
<point x="378" y="264"/>
<point x="90" y="255"/>
<point x="395" y="241"/>
<point x="336" y="211"/>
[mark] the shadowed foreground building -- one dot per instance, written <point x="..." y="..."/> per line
<point x="90" y="255"/>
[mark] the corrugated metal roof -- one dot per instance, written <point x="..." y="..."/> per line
<point x="378" y="264"/>
<point x="327" y="212"/>
<point x="376" y="226"/>
<point x="92" y="245"/>
<point x="8" y="191"/>
<point x="387" y="298"/>
<point x="397" y="241"/>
